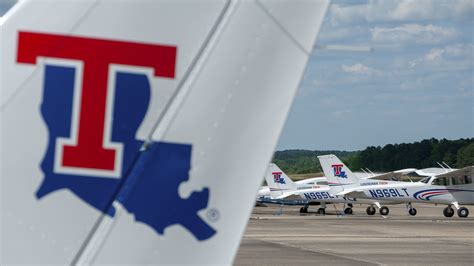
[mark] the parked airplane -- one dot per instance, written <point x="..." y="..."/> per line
<point x="265" y="190"/>
<point x="453" y="188"/>
<point x="319" y="192"/>
<point x="122" y="127"/>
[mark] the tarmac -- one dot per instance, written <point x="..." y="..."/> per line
<point x="282" y="236"/>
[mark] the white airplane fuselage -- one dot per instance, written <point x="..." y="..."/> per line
<point x="323" y="193"/>
<point x="419" y="192"/>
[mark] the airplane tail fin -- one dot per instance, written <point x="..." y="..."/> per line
<point x="339" y="176"/>
<point x="129" y="128"/>
<point x="278" y="182"/>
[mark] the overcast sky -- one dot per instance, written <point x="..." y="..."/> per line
<point x="417" y="83"/>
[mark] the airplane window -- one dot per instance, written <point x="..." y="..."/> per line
<point x="459" y="180"/>
<point x="310" y="183"/>
<point x="468" y="179"/>
<point x="425" y="180"/>
<point x="440" y="181"/>
<point x="323" y="183"/>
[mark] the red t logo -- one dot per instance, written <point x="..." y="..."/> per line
<point x="89" y="147"/>
<point x="337" y="168"/>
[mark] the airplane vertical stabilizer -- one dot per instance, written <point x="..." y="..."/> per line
<point x="129" y="128"/>
<point x="278" y="182"/>
<point x="339" y="176"/>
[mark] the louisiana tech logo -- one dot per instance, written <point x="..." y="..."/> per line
<point x="337" y="169"/>
<point x="277" y="178"/>
<point x="95" y="96"/>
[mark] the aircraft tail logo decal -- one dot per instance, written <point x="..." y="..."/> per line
<point x="93" y="111"/>
<point x="337" y="170"/>
<point x="277" y="178"/>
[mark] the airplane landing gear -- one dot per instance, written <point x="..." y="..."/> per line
<point x="322" y="211"/>
<point x="448" y="211"/>
<point x="304" y="209"/>
<point x="412" y="211"/>
<point x="370" y="210"/>
<point x="384" y="211"/>
<point x="463" y="212"/>
<point x="348" y="210"/>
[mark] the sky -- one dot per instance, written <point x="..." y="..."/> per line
<point x="417" y="83"/>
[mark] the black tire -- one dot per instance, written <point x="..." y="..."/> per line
<point x="448" y="212"/>
<point x="370" y="210"/>
<point x="348" y="210"/>
<point x="384" y="211"/>
<point x="322" y="211"/>
<point x="463" y="212"/>
<point x="412" y="211"/>
<point x="303" y="210"/>
<point x="350" y="205"/>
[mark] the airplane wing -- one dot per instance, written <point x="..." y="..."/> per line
<point x="129" y="128"/>
<point x="393" y="175"/>
<point x="289" y="196"/>
<point x="384" y="176"/>
<point x="286" y="195"/>
<point x="466" y="171"/>
<point x="432" y="171"/>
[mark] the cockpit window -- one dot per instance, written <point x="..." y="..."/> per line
<point x="440" y="181"/>
<point x="425" y="180"/>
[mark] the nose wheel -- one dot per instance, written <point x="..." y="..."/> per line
<point x="412" y="211"/>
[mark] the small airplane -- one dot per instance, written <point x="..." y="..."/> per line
<point x="264" y="191"/>
<point x="314" y="191"/>
<point x="122" y="127"/>
<point x="453" y="188"/>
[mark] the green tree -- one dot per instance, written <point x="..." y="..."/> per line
<point x="465" y="156"/>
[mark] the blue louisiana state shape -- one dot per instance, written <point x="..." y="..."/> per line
<point x="149" y="180"/>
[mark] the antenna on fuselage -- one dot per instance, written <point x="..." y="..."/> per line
<point x="451" y="169"/>
<point x="370" y="172"/>
<point x="442" y="166"/>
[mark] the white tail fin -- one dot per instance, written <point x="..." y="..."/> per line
<point x="278" y="182"/>
<point x="130" y="128"/>
<point x="339" y="176"/>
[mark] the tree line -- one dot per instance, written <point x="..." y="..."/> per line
<point x="422" y="154"/>
<point x="305" y="161"/>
